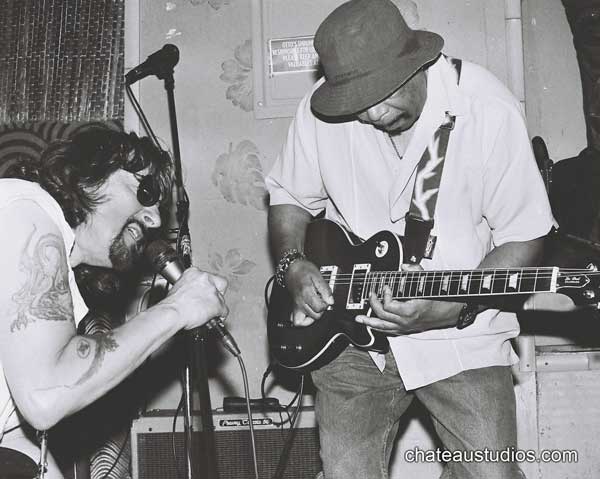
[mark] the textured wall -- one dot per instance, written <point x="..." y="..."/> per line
<point x="61" y="60"/>
<point x="553" y="86"/>
<point x="225" y="153"/>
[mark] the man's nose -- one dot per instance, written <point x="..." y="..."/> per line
<point x="150" y="216"/>
<point x="374" y="114"/>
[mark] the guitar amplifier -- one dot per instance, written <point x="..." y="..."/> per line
<point x="152" y="446"/>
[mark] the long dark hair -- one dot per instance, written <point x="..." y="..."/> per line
<point x="72" y="170"/>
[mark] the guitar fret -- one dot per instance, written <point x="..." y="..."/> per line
<point x="545" y="283"/>
<point x="390" y="280"/>
<point x="430" y="283"/>
<point x="454" y="283"/>
<point x="486" y="283"/>
<point x="396" y="288"/>
<point x="514" y="280"/>
<point x="421" y="284"/>
<point x="384" y="282"/>
<point x="380" y="285"/>
<point x="402" y="286"/>
<point x="445" y="283"/>
<point x="528" y="282"/>
<point x="464" y="282"/>
<point x="373" y="285"/>
<point x="439" y="283"/>
<point x="499" y="281"/>
<point x="412" y="286"/>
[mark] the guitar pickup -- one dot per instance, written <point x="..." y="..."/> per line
<point x="356" y="298"/>
<point x="329" y="274"/>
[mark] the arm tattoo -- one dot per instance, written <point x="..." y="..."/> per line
<point x="104" y="342"/>
<point x="45" y="294"/>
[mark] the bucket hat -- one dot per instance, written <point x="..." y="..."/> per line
<point x="367" y="52"/>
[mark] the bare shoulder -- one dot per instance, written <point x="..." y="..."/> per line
<point x="34" y="285"/>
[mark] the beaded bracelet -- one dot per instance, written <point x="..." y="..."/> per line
<point x="289" y="256"/>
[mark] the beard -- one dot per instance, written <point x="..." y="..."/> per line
<point x="125" y="251"/>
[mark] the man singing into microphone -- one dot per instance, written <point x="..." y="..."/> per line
<point x="90" y="200"/>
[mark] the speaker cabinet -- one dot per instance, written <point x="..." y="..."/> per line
<point x="152" y="446"/>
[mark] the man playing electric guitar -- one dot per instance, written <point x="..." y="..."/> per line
<point x="363" y="146"/>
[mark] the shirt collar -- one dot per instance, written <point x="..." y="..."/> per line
<point x="443" y="92"/>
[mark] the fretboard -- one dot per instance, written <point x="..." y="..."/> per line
<point x="460" y="283"/>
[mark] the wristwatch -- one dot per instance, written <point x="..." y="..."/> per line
<point x="467" y="315"/>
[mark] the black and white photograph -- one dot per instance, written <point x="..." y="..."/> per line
<point x="299" y="239"/>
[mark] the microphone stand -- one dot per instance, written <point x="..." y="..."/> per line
<point x="196" y="340"/>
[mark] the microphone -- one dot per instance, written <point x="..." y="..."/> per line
<point x="160" y="63"/>
<point x="166" y="262"/>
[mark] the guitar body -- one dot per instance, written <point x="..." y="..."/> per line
<point x="16" y="465"/>
<point x="355" y="270"/>
<point x="329" y="247"/>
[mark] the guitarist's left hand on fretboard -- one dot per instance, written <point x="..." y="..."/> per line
<point x="413" y="316"/>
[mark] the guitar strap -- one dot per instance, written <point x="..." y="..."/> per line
<point x="43" y="463"/>
<point x="418" y="241"/>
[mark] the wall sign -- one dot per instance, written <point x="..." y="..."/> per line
<point x="292" y="55"/>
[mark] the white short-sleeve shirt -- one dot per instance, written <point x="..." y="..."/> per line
<point x="491" y="193"/>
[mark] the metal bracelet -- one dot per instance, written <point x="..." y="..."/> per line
<point x="289" y="256"/>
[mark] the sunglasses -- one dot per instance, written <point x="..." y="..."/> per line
<point x="148" y="192"/>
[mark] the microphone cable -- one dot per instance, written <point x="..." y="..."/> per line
<point x="141" y="115"/>
<point x="249" y="410"/>
<point x="173" y="449"/>
<point x="289" y="442"/>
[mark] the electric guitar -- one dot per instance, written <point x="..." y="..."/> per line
<point x="354" y="270"/>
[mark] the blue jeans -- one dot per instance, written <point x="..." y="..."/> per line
<point x="358" y="409"/>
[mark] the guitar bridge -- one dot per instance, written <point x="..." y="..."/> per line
<point x="356" y="299"/>
<point x="329" y="274"/>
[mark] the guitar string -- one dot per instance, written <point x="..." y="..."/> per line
<point x="532" y="270"/>
<point x="347" y="279"/>
<point x="459" y="274"/>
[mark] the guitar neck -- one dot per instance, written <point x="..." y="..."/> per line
<point x="461" y="284"/>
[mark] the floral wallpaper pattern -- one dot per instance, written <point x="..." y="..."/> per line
<point x="239" y="176"/>
<point x="216" y="4"/>
<point x="238" y="72"/>
<point x="232" y="266"/>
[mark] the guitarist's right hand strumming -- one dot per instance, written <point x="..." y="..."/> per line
<point x="310" y="293"/>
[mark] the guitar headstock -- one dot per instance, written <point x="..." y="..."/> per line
<point x="581" y="285"/>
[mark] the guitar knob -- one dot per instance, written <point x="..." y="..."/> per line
<point x="298" y="347"/>
<point x="589" y="294"/>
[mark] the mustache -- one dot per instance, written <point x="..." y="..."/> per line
<point x="140" y="242"/>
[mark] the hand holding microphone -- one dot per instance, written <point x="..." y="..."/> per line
<point x="197" y="295"/>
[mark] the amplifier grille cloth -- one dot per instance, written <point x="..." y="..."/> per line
<point x="234" y="454"/>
